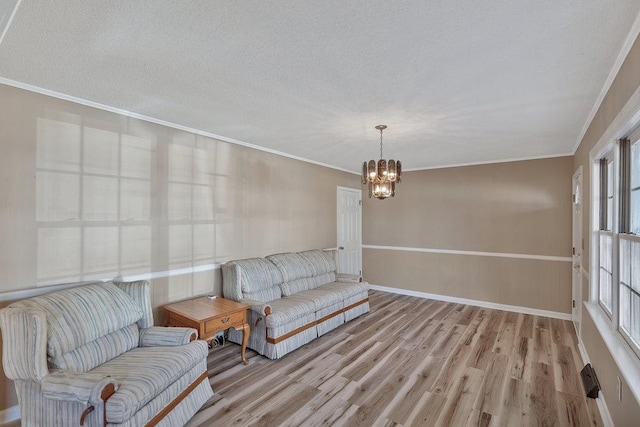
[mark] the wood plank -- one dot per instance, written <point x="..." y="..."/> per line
<point x="479" y="419"/>
<point x="454" y="365"/>
<point x="572" y="410"/>
<point x="543" y="396"/>
<point x="447" y="342"/>
<point x="506" y="334"/>
<point x="467" y="315"/>
<point x="565" y="373"/>
<point x="280" y="403"/>
<point x="419" y="384"/>
<point x="515" y="411"/>
<point x="427" y="410"/>
<point x="542" y="346"/>
<point x="489" y="398"/>
<point x="459" y="405"/>
<point x="495" y="320"/>
<point x="364" y="366"/>
<point x="521" y="359"/>
<point x="477" y="326"/>
<point x="526" y="327"/>
<point x="482" y="355"/>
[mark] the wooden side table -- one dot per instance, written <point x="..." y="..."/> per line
<point x="210" y="317"/>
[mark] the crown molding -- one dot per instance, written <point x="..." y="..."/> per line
<point x="97" y="105"/>
<point x="622" y="55"/>
<point x="491" y="162"/>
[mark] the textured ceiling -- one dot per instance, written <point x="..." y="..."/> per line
<point x="456" y="81"/>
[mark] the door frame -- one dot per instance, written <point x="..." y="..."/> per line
<point x="359" y="192"/>
<point x="577" y="194"/>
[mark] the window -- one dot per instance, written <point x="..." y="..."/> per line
<point x="630" y="245"/>
<point x="605" y="296"/>
<point x="93" y="199"/>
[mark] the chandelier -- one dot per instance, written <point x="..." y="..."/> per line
<point x="381" y="178"/>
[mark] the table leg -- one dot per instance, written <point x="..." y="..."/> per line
<point x="245" y="339"/>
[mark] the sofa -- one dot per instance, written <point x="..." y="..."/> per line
<point x="294" y="298"/>
<point x="90" y="355"/>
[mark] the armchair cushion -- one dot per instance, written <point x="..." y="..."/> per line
<point x="94" y="353"/>
<point x="24" y="337"/>
<point x="83" y="314"/>
<point x="75" y="387"/>
<point x="162" y="336"/>
<point x="140" y="292"/>
<point x="144" y="372"/>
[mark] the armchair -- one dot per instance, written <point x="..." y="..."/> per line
<point x="91" y="356"/>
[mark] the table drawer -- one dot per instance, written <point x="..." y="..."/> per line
<point x="224" y="322"/>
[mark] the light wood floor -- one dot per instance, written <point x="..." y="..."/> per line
<point x="410" y="361"/>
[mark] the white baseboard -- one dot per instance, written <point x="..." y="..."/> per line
<point x="477" y="303"/>
<point x="604" y="410"/>
<point x="10" y="414"/>
<point x="600" y="401"/>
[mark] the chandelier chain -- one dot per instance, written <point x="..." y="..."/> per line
<point x="381" y="143"/>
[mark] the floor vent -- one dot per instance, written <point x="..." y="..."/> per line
<point x="590" y="381"/>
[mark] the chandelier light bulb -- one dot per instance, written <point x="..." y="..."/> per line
<point x="381" y="176"/>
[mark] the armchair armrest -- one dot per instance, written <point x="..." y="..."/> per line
<point x="342" y="277"/>
<point x="78" y="387"/>
<point x="257" y="306"/>
<point x="24" y="348"/>
<point x="166" y="336"/>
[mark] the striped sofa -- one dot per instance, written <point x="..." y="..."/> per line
<point x="294" y="298"/>
<point x="91" y="356"/>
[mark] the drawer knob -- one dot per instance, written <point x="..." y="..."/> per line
<point x="225" y="320"/>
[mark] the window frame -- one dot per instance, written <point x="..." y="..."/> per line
<point x="607" y="223"/>
<point x="625" y="234"/>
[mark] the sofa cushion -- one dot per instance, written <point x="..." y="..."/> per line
<point x="80" y="315"/>
<point x="144" y="372"/>
<point x="297" y="273"/>
<point x="321" y="298"/>
<point x="254" y="278"/>
<point x="320" y="261"/>
<point x="322" y="279"/>
<point x="99" y="351"/>
<point x="292" y="266"/>
<point x="288" y="309"/>
<point x="346" y="289"/>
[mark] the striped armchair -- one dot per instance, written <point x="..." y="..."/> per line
<point x="91" y="356"/>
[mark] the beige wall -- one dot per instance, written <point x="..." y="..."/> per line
<point x="625" y="84"/>
<point x="505" y="208"/>
<point x="88" y="194"/>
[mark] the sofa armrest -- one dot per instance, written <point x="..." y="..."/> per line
<point x="342" y="277"/>
<point x="166" y="336"/>
<point x="81" y="387"/>
<point x="24" y="343"/>
<point x="259" y="307"/>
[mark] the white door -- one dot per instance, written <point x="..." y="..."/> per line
<point x="349" y="230"/>
<point x="577" y="243"/>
